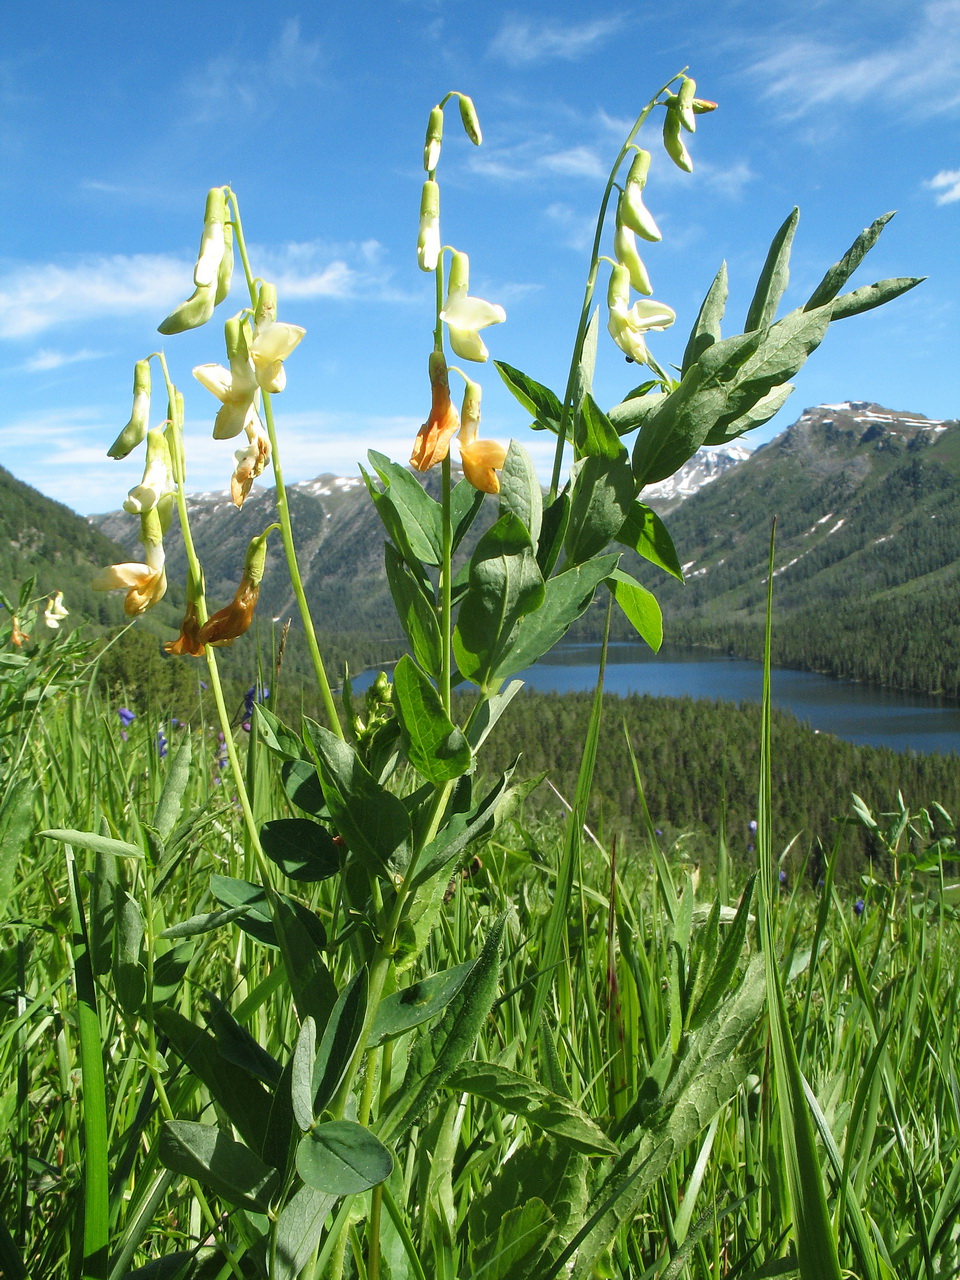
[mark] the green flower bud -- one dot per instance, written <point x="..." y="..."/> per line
<point x="256" y="557"/>
<point x="471" y="124"/>
<point x="639" y="168"/>
<point x="672" y="142"/>
<point x="136" y="428"/>
<point x="211" y="239"/>
<point x="632" y="212"/>
<point x="431" y="146"/>
<point x="225" y="272"/>
<point x="428" y="241"/>
<point x="191" y="314"/>
<point x="685" y="109"/>
<point x="625" y="249"/>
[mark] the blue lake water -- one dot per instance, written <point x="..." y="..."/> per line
<point x="860" y="713"/>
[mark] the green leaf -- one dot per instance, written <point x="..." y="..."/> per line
<point x="488" y="712"/>
<point x="341" y="1035"/>
<point x="227" y="1167"/>
<point x="175" y="784"/>
<point x="235" y="1044"/>
<point x="255" y="916"/>
<point x="838" y="275"/>
<point x="773" y="278"/>
<point x="16" y="828"/>
<point x="465" y="505"/>
<point x="520" y="490"/>
<point x="436" y="748"/>
<point x="419" y="513"/>
<point x="436" y="1056"/>
<point x="595" y="436"/>
<point x="392" y="521"/>
<point x="756" y="416"/>
<point x="512" y="1092"/>
<point x="645" y="533"/>
<point x="603" y="493"/>
<point x="301" y="784"/>
<point x="301" y="1075"/>
<point x="206" y="922"/>
<point x="245" y="1101"/>
<point x="129" y="975"/>
<point x="298" y="1231"/>
<point x="566" y="598"/>
<point x="300" y="937"/>
<point x="454" y="838"/>
<point x="588" y="358"/>
<point x="303" y="850"/>
<point x="706" y="329"/>
<point x="275" y="735"/>
<point x="634" y="411"/>
<point x="99" y="844"/>
<point x="514" y="1249"/>
<point x="640" y="606"/>
<point x="416" y="611"/>
<point x="342" y="1158"/>
<point x="539" y="401"/>
<point x="373" y="821"/>
<point x="505" y="584"/>
<point x="408" y="1007"/>
<point x="553" y="530"/>
<point x="872" y="295"/>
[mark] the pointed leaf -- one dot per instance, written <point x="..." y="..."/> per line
<point x="416" y="612"/>
<point x="419" y="512"/>
<point x="227" y="1167"/>
<point x="298" y="1231"/>
<point x="871" y="295"/>
<point x="301" y="937"/>
<point x="645" y="533"/>
<point x="341" y="1035"/>
<point x="342" y="1158"/>
<point x="408" y="1007"/>
<point x="838" y="275"/>
<point x="706" y="329"/>
<point x="520" y="490"/>
<point x="539" y="401"/>
<point x="595" y="436"/>
<point x="640" y="606"/>
<point x="301" y="1076"/>
<point x="603" y="493"/>
<point x="566" y="598"/>
<point x="436" y="748"/>
<point x="774" y="277"/>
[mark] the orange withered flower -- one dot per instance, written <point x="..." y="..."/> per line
<point x="188" y="641"/>
<point x="224" y="626"/>
<point x="433" y="438"/>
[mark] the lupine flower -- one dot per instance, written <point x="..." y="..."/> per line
<point x="255" y="694"/>
<point x="657" y="831"/>
<point x="227" y="624"/>
<point x="433" y="438"/>
<point x="126" y="716"/>
<point x="157" y="479"/>
<point x="273" y="340"/>
<point x="236" y="388"/>
<point x="464" y="315"/>
<point x="136" y="428"/>
<point x="751" y="848"/>
<point x="428" y="240"/>
<point x="55" y="612"/>
<point x="481" y="459"/>
<point x="783" y="877"/>
<point x="145" y="583"/>
<point x="858" y="907"/>
<point x="627" y="324"/>
<point x="161" y="743"/>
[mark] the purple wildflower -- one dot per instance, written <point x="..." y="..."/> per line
<point x="256" y="693"/>
<point x="657" y="832"/>
<point x="858" y="907"/>
<point x="161" y="743"/>
<point x="783" y="877"/>
<point x="127" y="716"/>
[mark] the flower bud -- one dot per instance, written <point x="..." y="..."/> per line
<point x="428" y="242"/>
<point x="625" y="249"/>
<point x="431" y="146"/>
<point x="136" y="428"/>
<point x="672" y="142"/>
<point x="685" y="110"/>
<point x="631" y="211"/>
<point x="639" y="168"/>
<point x="225" y="271"/>
<point x="191" y="314"/>
<point x="471" y="124"/>
<point x="207" y="270"/>
<point x="157" y="479"/>
<point x="702" y="105"/>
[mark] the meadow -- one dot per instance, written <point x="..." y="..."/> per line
<point x="334" y="995"/>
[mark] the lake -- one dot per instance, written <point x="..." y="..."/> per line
<point x="865" y="714"/>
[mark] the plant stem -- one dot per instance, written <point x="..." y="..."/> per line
<point x="283" y="508"/>
<point x="446" y="587"/>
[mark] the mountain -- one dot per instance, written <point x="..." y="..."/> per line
<point x="867" y="549"/>
<point x="704" y="467"/>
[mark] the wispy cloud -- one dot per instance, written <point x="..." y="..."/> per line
<point x="537" y="157"/>
<point x="921" y="70"/>
<point x="45" y="361"/>
<point x="576" y="229"/>
<point x="229" y="82"/>
<point x="521" y="41"/>
<point x="946" y="183"/>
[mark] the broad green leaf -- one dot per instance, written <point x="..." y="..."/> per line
<point x="341" y="1158"/>
<point x="645" y="533"/>
<point x="301" y="784"/>
<point x="373" y="821"/>
<point x="226" y="1167"/>
<point x="756" y="416"/>
<point x="553" y="530"/>
<point x="512" y="1092"/>
<point x="303" y="850"/>
<point x="275" y="735"/>
<point x="437" y="1055"/>
<point x="516" y="1246"/>
<point x="245" y="1101"/>
<point x="706" y="328"/>
<point x="408" y="1007"/>
<point x="869" y="296"/>
<point x="465" y="505"/>
<point x="453" y="839"/>
<point x="103" y="896"/>
<point x="838" y="275"/>
<point x="170" y="969"/>
<point x="773" y="278"/>
<point x="566" y="598"/>
<point x="520" y="490"/>
<point x="505" y="584"/>
<point x="255" y="918"/>
<point x="595" y="436"/>
<point x="419" y="512"/>
<point x="235" y="1044"/>
<point x="99" y="844"/>
<point x="539" y="401"/>
<point x="341" y="1035"/>
<point x="603" y="493"/>
<point x="633" y="412"/>
<point x="298" y="1231"/>
<point x="416" y="612"/>
<point x="640" y="606"/>
<point x="392" y="521"/>
<point x="435" y="746"/>
<point x="301" y="1075"/>
<point x="129" y="975"/>
<point x="313" y="989"/>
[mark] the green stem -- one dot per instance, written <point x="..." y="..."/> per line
<point x="589" y="289"/>
<point x="283" y="508"/>
<point x="446" y="588"/>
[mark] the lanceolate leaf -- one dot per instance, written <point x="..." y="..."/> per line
<point x="419" y="512"/>
<point x="640" y="606"/>
<point x="603" y="494"/>
<point x="505" y="584"/>
<point x="756" y="416"/>
<point x="871" y="295"/>
<point x="419" y="1002"/>
<point x="435" y="746"/>
<point x="838" y="275"/>
<point x="567" y="596"/>
<point x="520" y="490"/>
<point x="416" y="612"/>
<point x="595" y="437"/>
<point x="341" y="1035"/>
<point x="706" y="329"/>
<point x="538" y="400"/>
<point x="372" y="820"/>
<point x="510" y="1091"/>
<point x="773" y="278"/>
<point x="218" y="1162"/>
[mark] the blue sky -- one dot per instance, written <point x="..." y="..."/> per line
<point x="116" y="117"/>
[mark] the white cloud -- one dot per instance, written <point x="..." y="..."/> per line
<point x="536" y="157"/>
<point x="578" y="162"/>
<point x="228" y="83"/>
<point x="947" y="185"/>
<point x="577" y="229"/>
<point x="921" y="71"/>
<point x="521" y="41"/>
<point x="44" y="361"/>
